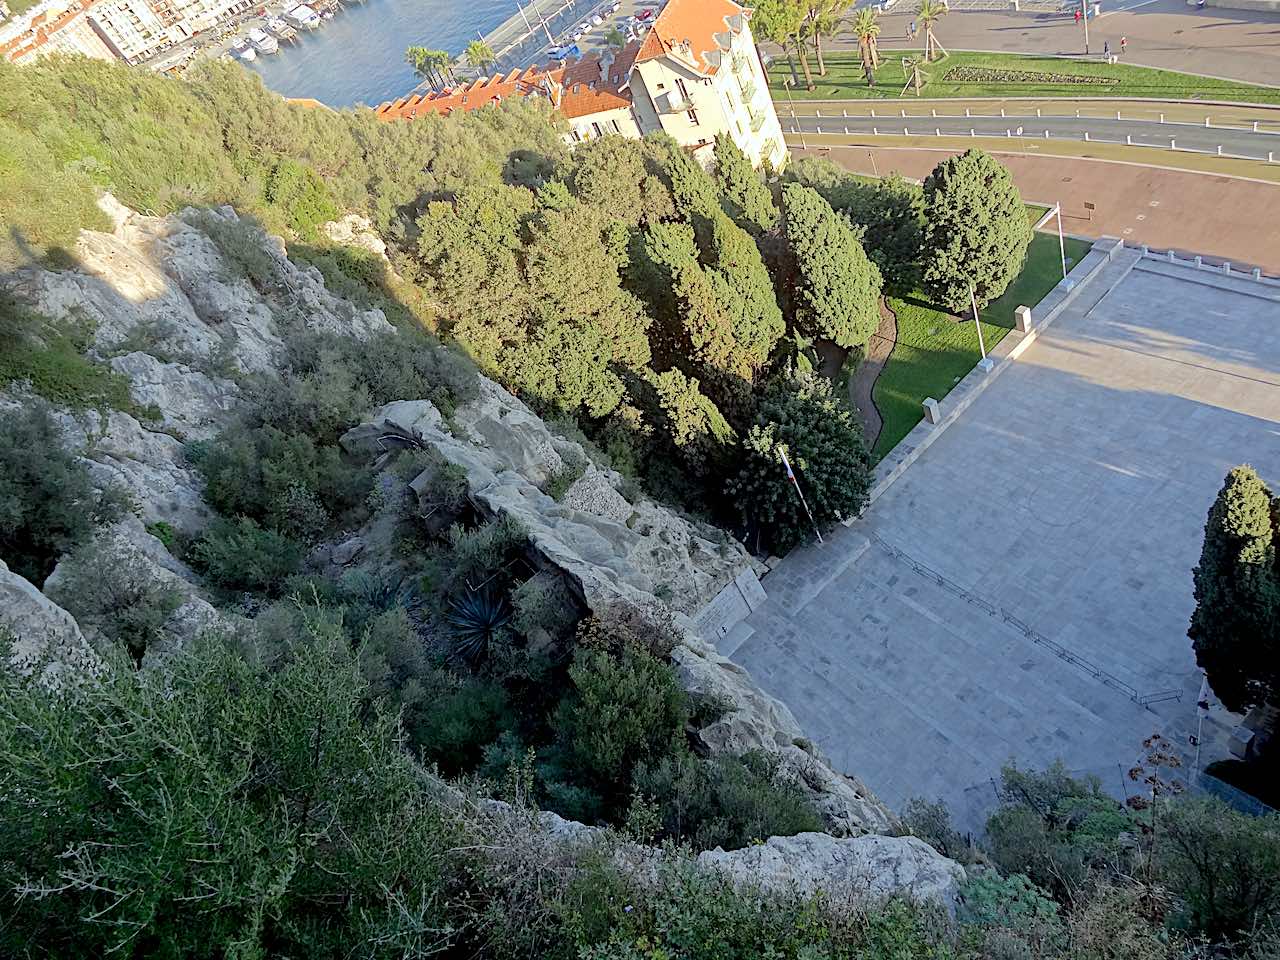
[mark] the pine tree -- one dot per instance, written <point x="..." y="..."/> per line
<point x="838" y="293"/>
<point x="976" y="230"/>
<point x="746" y="197"/>
<point x="824" y="444"/>
<point x="1235" y="628"/>
<point x="693" y="423"/>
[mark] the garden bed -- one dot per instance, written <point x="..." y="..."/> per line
<point x="971" y="74"/>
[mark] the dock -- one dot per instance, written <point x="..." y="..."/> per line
<point x="535" y="26"/>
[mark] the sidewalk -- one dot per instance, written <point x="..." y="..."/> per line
<point x="1219" y="217"/>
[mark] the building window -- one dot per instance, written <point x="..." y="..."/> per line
<point x="684" y="91"/>
<point x="693" y="118"/>
<point x="616" y="128"/>
<point x="596" y="127"/>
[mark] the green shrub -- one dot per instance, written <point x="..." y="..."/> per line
<point x="240" y="555"/>
<point x="623" y="710"/>
<point x="112" y="591"/>
<point x="726" y="802"/>
<point x="48" y="504"/>
<point x="276" y="789"/>
<point x="51" y="357"/>
<point x="559" y="482"/>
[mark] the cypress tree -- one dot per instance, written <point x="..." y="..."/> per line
<point x="1235" y="628"/>
<point x="746" y="198"/>
<point x="838" y="290"/>
<point x="976" y="230"/>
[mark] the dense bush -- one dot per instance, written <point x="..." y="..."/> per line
<point x="726" y="802"/>
<point x="48" y="505"/>
<point x="239" y="555"/>
<point x="113" y="592"/>
<point x="824" y="445"/>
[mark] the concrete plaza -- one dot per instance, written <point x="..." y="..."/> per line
<point x="1072" y="495"/>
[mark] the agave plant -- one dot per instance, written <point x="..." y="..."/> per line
<point x="475" y="618"/>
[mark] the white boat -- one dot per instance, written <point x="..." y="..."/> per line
<point x="262" y="42"/>
<point x="244" y="51"/>
<point x="303" y="16"/>
<point x="281" y="30"/>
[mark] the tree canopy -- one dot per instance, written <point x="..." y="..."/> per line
<point x="976" y="230"/>
<point x="838" y="293"/>
<point x="1235" y="627"/>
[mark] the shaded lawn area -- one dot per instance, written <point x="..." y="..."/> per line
<point x="935" y="349"/>
<point x="844" y="80"/>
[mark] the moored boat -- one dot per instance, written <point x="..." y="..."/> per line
<point x="262" y="42"/>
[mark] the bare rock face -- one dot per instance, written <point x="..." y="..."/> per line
<point x="615" y="551"/>
<point x="758" y="721"/>
<point x="867" y="868"/>
<point x="40" y="630"/>
<point x="354" y="230"/>
<point x="191" y="403"/>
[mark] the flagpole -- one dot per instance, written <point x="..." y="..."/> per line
<point x="796" y="483"/>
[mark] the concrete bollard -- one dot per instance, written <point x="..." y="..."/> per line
<point x="1162" y="118"/>
<point x="844" y="114"/>
<point x="931" y="411"/>
<point x="1022" y="319"/>
<point x="1037" y="111"/>
<point x="1145" y="250"/>
<point x="817" y="129"/>
<point x="1219" y="149"/>
<point x="1206" y="121"/>
<point x="1257" y="273"/>
<point x="1128" y="139"/>
<point x="1002" y="111"/>
<point x="1269" y="156"/>
<point x="966" y="111"/>
<point x="1046" y="134"/>
<point x="1199" y="261"/>
<point x="971" y="132"/>
<point x="846" y="130"/>
<point x="1118" y="117"/>
<point x="1226" y="267"/>
<point x="1008" y="132"/>
<point x="1173" y="144"/>
<point x="875" y="131"/>
<point x="1086" y="136"/>
<point x="1255" y="126"/>
<point x="1171" y="256"/>
<point x="933" y="113"/>
<point x="904" y="113"/>
<point x="873" y="113"/>
<point x="817" y="112"/>
<point x="937" y="131"/>
<point x="906" y="132"/>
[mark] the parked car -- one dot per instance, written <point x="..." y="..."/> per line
<point x="597" y="20"/>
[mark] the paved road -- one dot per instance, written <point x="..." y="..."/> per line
<point x="1235" y="44"/>
<point x="1195" y="213"/>
<point x="1233" y="142"/>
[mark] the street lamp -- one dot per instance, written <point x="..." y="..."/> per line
<point x="984" y="363"/>
<point x="1085" y="10"/>
<point x="786" y="85"/>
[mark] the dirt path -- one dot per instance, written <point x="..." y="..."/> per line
<point x="863" y="381"/>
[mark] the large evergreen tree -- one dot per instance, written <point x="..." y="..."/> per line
<point x="838" y="291"/>
<point x="746" y="197"/>
<point x="1235" y="628"/>
<point x="824" y="444"/>
<point x="976" y="230"/>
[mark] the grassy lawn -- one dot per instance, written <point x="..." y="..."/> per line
<point x="935" y="350"/>
<point x="844" y="80"/>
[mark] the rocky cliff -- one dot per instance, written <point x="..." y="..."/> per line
<point x="181" y="312"/>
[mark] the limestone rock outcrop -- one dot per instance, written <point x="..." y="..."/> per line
<point x="619" y="551"/>
<point x="40" y="631"/>
<point x="866" y="868"/>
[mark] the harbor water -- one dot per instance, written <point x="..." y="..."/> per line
<point x="358" y="56"/>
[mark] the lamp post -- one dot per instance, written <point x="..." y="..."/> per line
<point x="973" y="302"/>
<point x="1062" y="244"/>
<point x="1085" y="10"/>
<point x="786" y="85"/>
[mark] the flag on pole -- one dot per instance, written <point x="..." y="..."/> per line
<point x="800" y="493"/>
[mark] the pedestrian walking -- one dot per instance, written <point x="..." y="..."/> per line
<point x="1124" y="43"/>
<point x="1077" y="18"/>
<point x="1106" y="50"/>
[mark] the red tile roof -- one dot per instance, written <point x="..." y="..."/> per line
<point x="576" y="88"/>
<point x="41" y="31"/>
<point x="695" y="22"/>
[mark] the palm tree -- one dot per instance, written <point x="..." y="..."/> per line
<point x="820" y="17"/>
<point x="480" y="55"/>
<point x="866" y="27"/>
<point x="930" y="12"/>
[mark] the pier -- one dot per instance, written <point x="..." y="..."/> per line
<point x="535" y="26"/>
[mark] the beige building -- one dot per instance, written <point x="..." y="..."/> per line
<point x="697" y="74"/>
<point x="50" y="29"/>
<point x="130" y="27"/>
